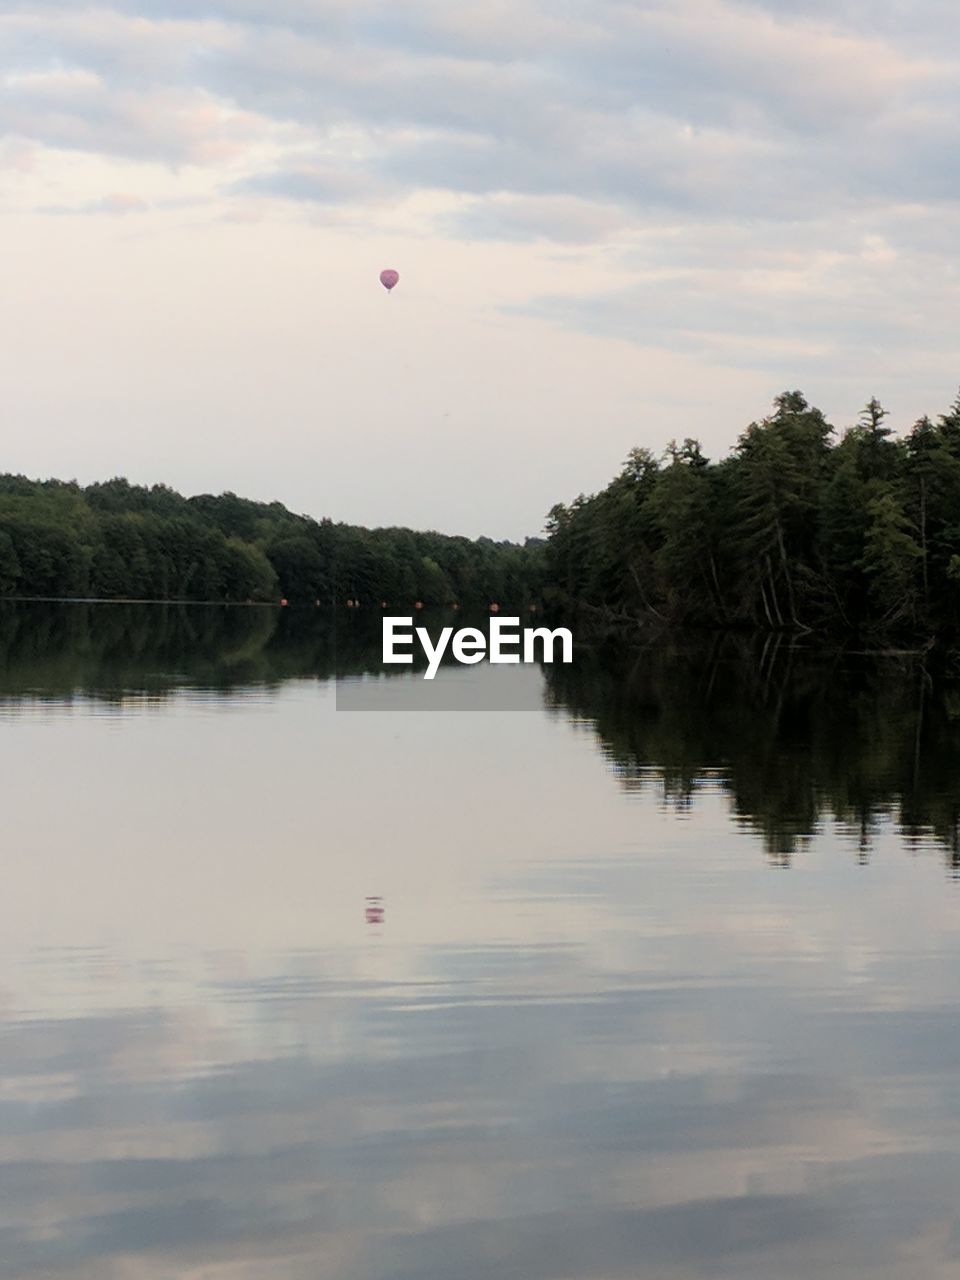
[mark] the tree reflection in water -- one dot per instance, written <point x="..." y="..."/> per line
<point x="792" y="733"/>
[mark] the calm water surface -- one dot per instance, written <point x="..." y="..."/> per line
<point x="666" y="983"/>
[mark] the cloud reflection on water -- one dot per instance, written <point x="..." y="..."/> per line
<point x="528" y="1115"/>
<point x="596" y="1034"/>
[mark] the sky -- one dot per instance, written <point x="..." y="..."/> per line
<point x="615" y="224"/>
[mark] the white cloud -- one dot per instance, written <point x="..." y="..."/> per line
<point x="703" y="105"/>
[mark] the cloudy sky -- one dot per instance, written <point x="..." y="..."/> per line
<point x="615" y="222"/>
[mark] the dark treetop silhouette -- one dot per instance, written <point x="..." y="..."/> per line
<point x="790" y="532"/>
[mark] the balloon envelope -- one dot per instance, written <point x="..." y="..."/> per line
<point x="389" y="278"/>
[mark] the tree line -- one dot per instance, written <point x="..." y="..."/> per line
<point x="800" y="528"/>
<point x="797" y="529"/>
<point x="117" y="540"/>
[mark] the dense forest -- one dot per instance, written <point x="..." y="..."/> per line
<point x="800" y="528"/>
<point x="121" y="541"/>
<point x="795" y="530"/>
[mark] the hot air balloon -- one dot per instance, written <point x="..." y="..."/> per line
<point x="374" y="911"/>
<point x="389" y="278"/>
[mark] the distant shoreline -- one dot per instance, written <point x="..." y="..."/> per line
<point x="220" y="604"/>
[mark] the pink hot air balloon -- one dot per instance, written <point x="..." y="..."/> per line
<point x="389" y="278"/>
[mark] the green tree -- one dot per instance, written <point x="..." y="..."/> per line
<point x="9" y="565"/>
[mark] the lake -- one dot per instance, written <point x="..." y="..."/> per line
<point x="655" y="975"/>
